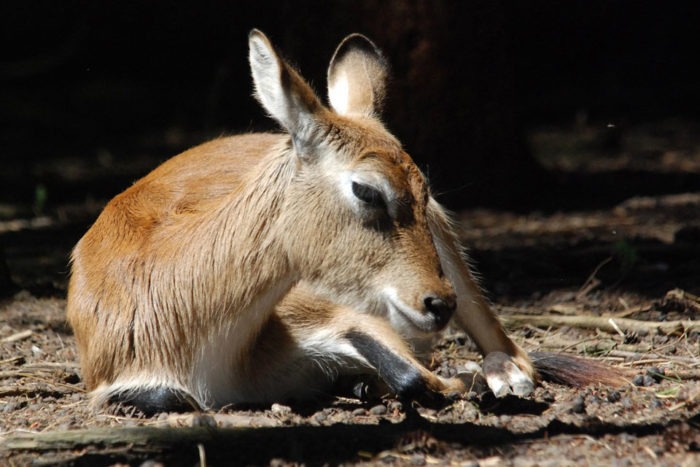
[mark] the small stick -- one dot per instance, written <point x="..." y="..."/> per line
<point x="18" y="336"/>
<point x="647" y="361"/>
<point x="202" y="455"/>
<point x="639" y="356"/>
<point x="616" y="327"/>
<point x="592" y="282"/>
<point x="602" y="323"/>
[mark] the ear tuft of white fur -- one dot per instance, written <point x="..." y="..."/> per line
<point x="339" y="93"/>
<point x="282" y="91"/>
<point x="266" y="68"/>
<point x="357" y="77"/>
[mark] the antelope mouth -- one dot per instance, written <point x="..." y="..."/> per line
<point x="401" y="314"/>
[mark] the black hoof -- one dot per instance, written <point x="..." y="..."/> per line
<point x="151" y="401"/>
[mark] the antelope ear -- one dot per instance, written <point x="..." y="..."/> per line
<point x="281" y="90"/>
<point x="357" y="77"/>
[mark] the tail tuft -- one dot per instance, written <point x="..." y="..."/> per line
<point x="576" y="371"/>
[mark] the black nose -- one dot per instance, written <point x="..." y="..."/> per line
<point x="440" y="307"/>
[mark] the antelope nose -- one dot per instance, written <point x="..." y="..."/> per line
<point x="440" y="307"/>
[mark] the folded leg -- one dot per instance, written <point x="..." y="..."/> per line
<point x="338" y="341"/>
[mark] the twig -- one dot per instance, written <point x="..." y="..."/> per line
<point x="30" y="388"/>
<point x="592" y="282"/>
<point x="202" y="455"/>
<point x="18" y="373"/>
<point x="681" y="299"/>
<point x="630" y="311"/>
<point x="582" y="341"/>
<point x="11" y="359"/>
<point x="616" y="327"/>
<point x="10" y="391"/>
<point x="18" y="336"/>
<point x="602" y="323"/>
<point x="50" y="366"/>
<point x="648" y="361"/>
<point x="71" y="387"/>
<point x="684" y="374"/>
<point x="640" y="356"/>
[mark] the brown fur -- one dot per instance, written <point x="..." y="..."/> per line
<point x="173" y="284"/>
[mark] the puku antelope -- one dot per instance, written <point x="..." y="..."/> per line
<point x="177" y="292"/>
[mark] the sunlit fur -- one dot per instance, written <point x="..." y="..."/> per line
<point x="174" y="282"/>
<point x="303" y="348"/>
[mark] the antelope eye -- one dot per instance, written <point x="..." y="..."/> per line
<point x="369" y="195"/>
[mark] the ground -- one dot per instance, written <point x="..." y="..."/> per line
<point x="626" y="263"/>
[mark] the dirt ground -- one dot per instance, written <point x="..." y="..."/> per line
<point x="635" y="262"/>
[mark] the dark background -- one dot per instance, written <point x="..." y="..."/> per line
<point x="95" y="94"/>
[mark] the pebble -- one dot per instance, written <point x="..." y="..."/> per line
<point x="71" y="378"/>
<point x="627" y="402"/>
<point x="578" y="405"/>
<point x="548" y="397"/>
<point x="472" y="367"/>
<point x="656" y="403"/>
<point x="203" y="420"/>
<point x="378" y="410"/>
<point x="656" y="373"/>
<point x="279" y="409"/>
<point x="418" y="459"/>
<point x="396" y="406"/>
<point x="648" y="380"/>
<point x="359" y="412"/>
<point x="449" y="372"/>
<point x="643" y="380"/>
<point x="10" y="407"/>
<point x="614" y="396"/>
<point x="320" y="417"/>
<point x="660" y="340"/>
<point x="152" y="463"/>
